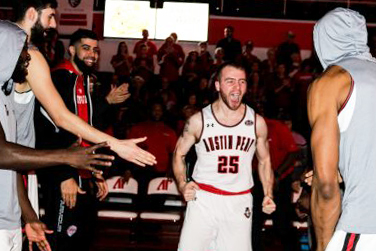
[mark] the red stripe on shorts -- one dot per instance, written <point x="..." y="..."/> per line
<point x="351" y="242"/>
<point x="215" y="190"/>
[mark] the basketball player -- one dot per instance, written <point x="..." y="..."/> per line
<point x="341" y="109"/>
<point x="35" y="17"/>
<point x="14" y="157"/>
<point x="226" y="135"/>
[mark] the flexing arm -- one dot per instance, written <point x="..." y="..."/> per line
<point x="325" y="97"/>
<point x="264" y="165"/>
<point x="188" y="138"/>
<point x="40" y="81"/>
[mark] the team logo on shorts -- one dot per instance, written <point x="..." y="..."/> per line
<point x="71" y="230"/>
<point x="247" y="212"/>
<point x="248" y="122"/>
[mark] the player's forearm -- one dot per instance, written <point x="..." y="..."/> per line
<point x="72" y="123"/>
<point x="325" y="214"/>
<point x="266" y="176"/>
<point x="179" y="168"/>
<point x="19" y="158"/>
<point x="28" y="213"/>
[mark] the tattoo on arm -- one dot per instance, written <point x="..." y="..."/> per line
<point x="185" y="130"/>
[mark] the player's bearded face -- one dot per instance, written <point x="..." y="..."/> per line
<point x="37" y="33"/>
<point x="232" y="86"/>
<point x="232" y="100"/>
<point x="83" y="65"/>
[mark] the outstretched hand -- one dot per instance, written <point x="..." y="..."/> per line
<point x="36" y="232"/>
<point x="128" y="150"/>
<point x="86" y="158"/>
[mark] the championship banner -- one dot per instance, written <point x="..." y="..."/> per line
<point x="74" y="14"/>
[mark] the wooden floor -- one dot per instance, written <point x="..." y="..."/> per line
<point x="133" y="236"/>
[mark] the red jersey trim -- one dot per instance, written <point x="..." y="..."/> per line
<point x="348" y="96"/>
<point x="211" y="189"/>
<point x="244" y="115"/>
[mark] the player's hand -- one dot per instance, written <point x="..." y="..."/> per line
<point x="128" y="150"/>
<point x="188" y="190"/>
<point x="102" y="187"/>
<point x="36" y="232"/>
<point x="268" y="205"/>
<point x="118" y="94"/>
<point x="308" y="177"/>
<point x="86" y="158"/>
<point x="69" y="190"/>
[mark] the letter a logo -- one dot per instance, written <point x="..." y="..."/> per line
<point x="164" y="184"/>
<point x="119" y="184"/>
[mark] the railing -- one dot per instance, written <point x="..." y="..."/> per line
<point x="290" y="9"/>
<point x="279" y="9"/>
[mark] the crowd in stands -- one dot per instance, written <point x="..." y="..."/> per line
<point x="161" y="102"/>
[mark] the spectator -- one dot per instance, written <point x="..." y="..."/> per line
<point x="161" y="140"/>
<point x="203" y="93"/>
<point x="248" y="59"/>
<point x="255" y="95"/>
<point x="231" y="46"/>
<point x="167" y="94"/>
<point x="122" y="61"/>
<point x="191" y="68"/>
<point x="186" y="112"/>
<point x="105" y="107"/>
<point x="218" y="60"/>
<point x="170" y="59"/>
<point x="296" y="61"/>
<point x="205" y="59"/>
<point x="178" y="46"/>
<point x="143" y="65"/>
<point x="151" y="47"/>
<point x="279" y="92"/>
<point x="268" y="65"/>
<point x="286" y="49"/>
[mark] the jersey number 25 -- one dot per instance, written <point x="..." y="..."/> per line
<point x="228" y="164"/>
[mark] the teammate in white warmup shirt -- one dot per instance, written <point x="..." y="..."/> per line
<point x="341" y="110"/>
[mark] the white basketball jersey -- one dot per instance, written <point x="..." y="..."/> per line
<point x="225" y="153"/>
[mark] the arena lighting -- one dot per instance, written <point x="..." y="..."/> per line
<point x="127" y="19"/>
